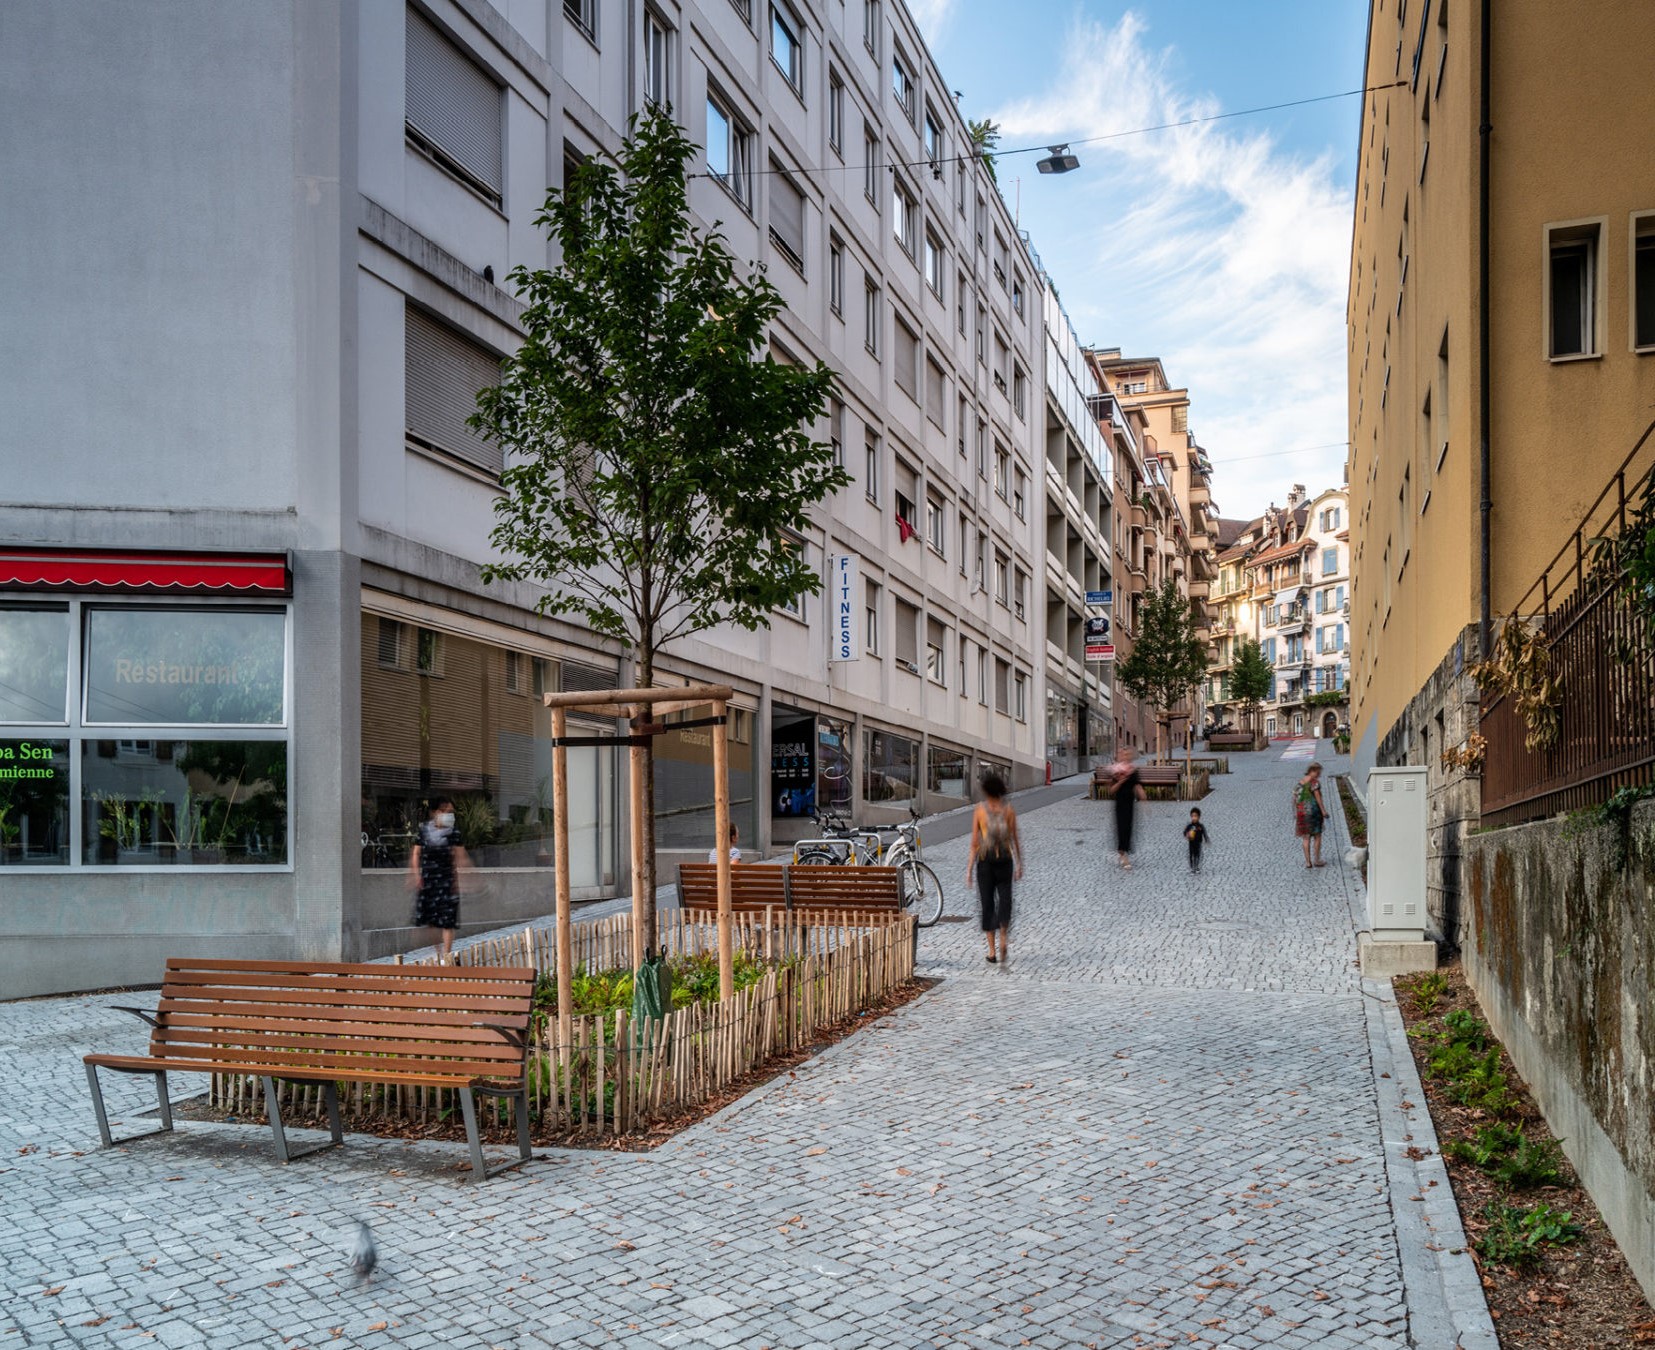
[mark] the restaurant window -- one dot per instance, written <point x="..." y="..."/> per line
<point x="173" y="749"/>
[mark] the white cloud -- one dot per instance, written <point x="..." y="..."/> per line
<point x="1207" y="245"/>
<point x="930" y="17"/>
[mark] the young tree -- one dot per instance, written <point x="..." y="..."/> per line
<point x="660" y="466"/>
<point x="1168" y="661"/>
<point x="985" y="139"/>
<point x="1250" y="678"/>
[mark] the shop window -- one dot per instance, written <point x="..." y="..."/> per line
<point x="428" y="649"/>
<point x="34" y="665"/>
<point x="514" y="672"/>
<point x="947" y="771"/>
<point x="889" y="767"/>
<point x="394" y="645"/>
<point x="833" y="764"/>
<point x="185" y="667"/>
<point x="34" y="802"/>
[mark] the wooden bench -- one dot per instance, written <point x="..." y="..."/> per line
<point x="465" y="1028"/>
<point x="755" y="887"/>
<point x="1231" y="740"/>
<point x="1149" y="776"/>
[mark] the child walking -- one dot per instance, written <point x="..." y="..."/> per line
<point x="1196" y="833"/>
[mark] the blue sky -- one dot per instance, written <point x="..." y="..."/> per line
<point x="1221" y="248"/>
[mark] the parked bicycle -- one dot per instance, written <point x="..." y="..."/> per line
<point x="845" y="845"/>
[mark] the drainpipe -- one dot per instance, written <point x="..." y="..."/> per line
<point x="1486" y="504"/>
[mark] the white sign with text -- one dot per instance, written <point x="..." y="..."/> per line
<point x="843" y="583"/>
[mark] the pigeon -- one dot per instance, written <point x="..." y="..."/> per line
<point x="364" y="1255"/>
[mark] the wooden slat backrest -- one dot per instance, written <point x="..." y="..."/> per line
<point x="752" y="885"/>
<point x="860" y="887"/>
<point x="344" y="1016"/>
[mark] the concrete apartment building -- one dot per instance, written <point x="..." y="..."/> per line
<point x="1080" y="472"/>
<point x="1565" y="330"/>
<point x="244" y="516"/>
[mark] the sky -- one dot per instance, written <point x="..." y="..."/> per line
<point x="1221" y="248"/>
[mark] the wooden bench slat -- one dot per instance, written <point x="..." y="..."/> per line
<point x="412" y="999"/>
<point x="197" y="1010"/>
<point x="408" y="1027"/>
<point x="366" y="969"/>
<point x="337" y="1065"/>
<point x="281" y="980"/>
<point x="320" y="1073"/>
<point x="248" y="1038"/>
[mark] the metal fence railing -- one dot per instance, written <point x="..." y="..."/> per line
<point x="1601" y="654"/>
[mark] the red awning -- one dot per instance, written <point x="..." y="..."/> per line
<point x="117" y="570"/>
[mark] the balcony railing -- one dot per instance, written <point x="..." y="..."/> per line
<point x="1601" y="652"/>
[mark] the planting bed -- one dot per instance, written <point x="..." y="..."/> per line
<point x="1550" y="1268"/>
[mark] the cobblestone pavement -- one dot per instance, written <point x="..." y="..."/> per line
<point x="1176" y="1117"/>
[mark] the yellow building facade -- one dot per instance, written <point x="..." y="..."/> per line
<point x="1568" y="251"/>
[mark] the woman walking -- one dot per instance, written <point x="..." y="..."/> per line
<point x="995" y="859"/>
<point x="433" y="869"/>
<point x="1128" y="791"/>
<point x="1309" y="813"/>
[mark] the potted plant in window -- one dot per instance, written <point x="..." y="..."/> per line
<point x="126" y="822"/>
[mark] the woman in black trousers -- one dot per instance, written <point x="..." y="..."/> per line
<point x="996" y="859"/>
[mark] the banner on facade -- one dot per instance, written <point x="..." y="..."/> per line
<point x="842" y="587"/>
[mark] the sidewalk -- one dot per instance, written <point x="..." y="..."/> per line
<point x="1168" y="1122"/>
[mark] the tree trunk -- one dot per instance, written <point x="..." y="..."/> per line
<point x="646" y="680"/>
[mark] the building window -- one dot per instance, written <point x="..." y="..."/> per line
<point x="1002" y="686"/>
<point x="870" y="165"/>
<point x="870" y="26"/>
<point x="934" y="525"/>
<point x="836" y="113"/>
<point x="1019" y="493"/>
<point x="785" y="49"/>
<point x="836" y="432"/>
<point x="934" y="150"/>
<point x="907" y="510"/>
<point x="870" y="467"/>
<point x="1643" y="282"/>
<point x="964" y="652"/>
<point x="514" y="672"/>
<point x="960" y="419"/>
<point x="870" y="618"/>
<point x="982" y="335"/>
<point x="452" y="109"/>
<point x="902" y="85"/>
<point x="934" y="262"/>
<point x="1020" y="592"/>
<point x="906" y="359"/>
<point x="870" y="317"/>
<point x="796" y="605"/>
<point x="1572" y="278"/>
<point x="1020" y="696"/>
<point x="1019" y="392"/>
<point x="890" y="767"/>
<point x="906" y="640"/>
<point x="836" y="275"/>
<point x="583" y="14"/>
<point x="936" y="393"/>
<point x="1002" y="578"/>
<point x="936" y="636"/>
<point x="904" y="217"/>
<point x="729" y="152"/>
<point x="1330" y="519"/>
<point x="443" y="372"/>
<point x="962" y="536"/>
<point x="1002" y="471"/>
<point x="959" y="302"/>
<point x="1330" y="561"/>
<point x="787" y="216"/>
<point x="657" y="60"/>
<point x="1017" y="294"/>
<point x="982" y="449"/>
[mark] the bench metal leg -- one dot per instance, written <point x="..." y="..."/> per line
<point x="330" y="1094"/>
<point x="480" y="1170"/>
<point x="109" y="1141"/>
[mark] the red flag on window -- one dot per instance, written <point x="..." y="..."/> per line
<point x="905" y="528"/>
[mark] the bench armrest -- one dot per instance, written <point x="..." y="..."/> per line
<point x="513" y="1035"/>
<point x="137" y="1012"/>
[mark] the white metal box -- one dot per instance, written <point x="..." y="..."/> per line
<point x="1397" y="820"/>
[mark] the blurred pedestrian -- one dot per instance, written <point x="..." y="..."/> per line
<point x="1128" y="790"/>
<point x="995" y="860"/>
<point x="433" y="874"/>
<point x="1309" y="813"/>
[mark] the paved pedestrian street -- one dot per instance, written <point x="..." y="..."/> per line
<point x="1176" y="1117"/>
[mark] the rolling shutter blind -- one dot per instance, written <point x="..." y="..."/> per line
<point x="907" y="633"/>
<point x="452" y="104"/>
<point x="787" y="214"/>
<point x="444" y="374"/>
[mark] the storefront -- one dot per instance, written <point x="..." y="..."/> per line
<point x="145" y="718"/>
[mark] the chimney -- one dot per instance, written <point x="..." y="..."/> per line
<point x="1295" y="496"/>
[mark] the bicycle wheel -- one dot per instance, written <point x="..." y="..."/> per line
<point x="922" y="894"/>
<point x="816" y="857"/>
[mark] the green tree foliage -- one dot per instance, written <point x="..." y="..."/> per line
<point x="1168" y="661"/>
<point x="1250" y="677"/>
<point x="659" y="461"/>
<point x="985" y="139"/>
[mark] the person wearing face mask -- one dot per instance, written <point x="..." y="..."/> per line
<point x="433" y="875"/>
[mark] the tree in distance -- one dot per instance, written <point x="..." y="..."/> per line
<point x="660" y="464"/>
<point x="1250" y="678"/>
<point x="1168" y="660"/>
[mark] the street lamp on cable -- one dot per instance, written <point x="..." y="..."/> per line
<point x="1058" y="161"/>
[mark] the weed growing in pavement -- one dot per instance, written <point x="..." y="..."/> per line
<point x="1516" y="1236"/>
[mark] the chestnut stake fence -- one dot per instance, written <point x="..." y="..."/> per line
<point x="614" y="1076"/>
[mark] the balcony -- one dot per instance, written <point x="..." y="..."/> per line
<point x="1291" y="620"/>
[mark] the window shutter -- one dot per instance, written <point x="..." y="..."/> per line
<point x="787" y="214"/>
<point x="907" y="633"/>
<point x="444" y="374"/>
<point x="452" y="103"/>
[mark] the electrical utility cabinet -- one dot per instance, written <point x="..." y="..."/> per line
<point x="1397" y="822"/>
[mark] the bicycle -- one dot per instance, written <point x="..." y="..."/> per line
<point x="845" y="845"/>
